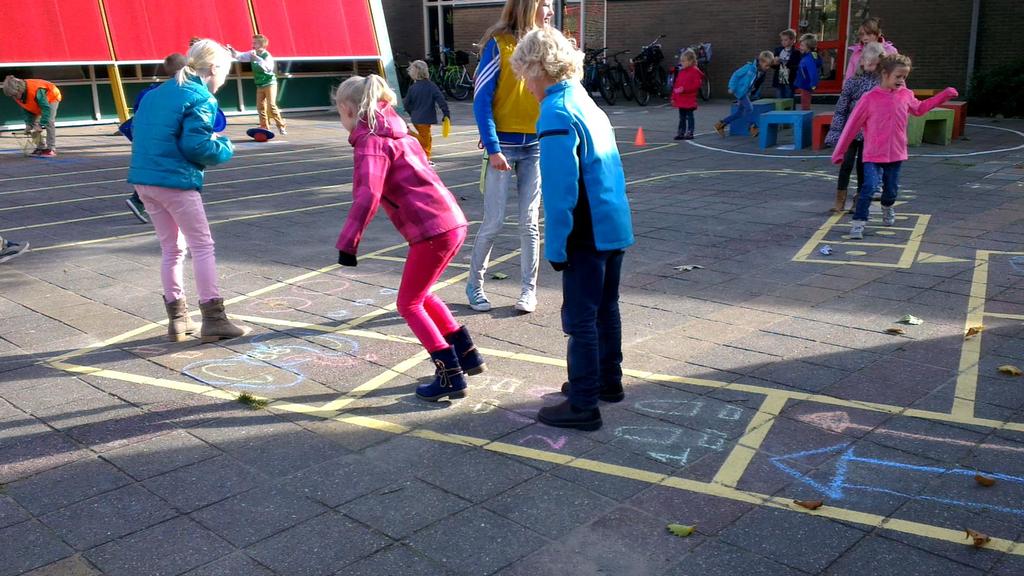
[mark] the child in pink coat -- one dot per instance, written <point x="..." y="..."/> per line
<point x="870" y="31"/>
<point x="684" y="93"/>
<point x="392" y="169"/>
<point x="882" y="114"/>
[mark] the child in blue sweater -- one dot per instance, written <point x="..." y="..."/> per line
<point x="745" y="85"/>
<point x="808" y="74"/>
<point x="588" y="223"/>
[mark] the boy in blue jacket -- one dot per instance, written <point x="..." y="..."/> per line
<point x="745" y="85"/>
<point x="808" y="74"/>
<point x="588" y="223"/>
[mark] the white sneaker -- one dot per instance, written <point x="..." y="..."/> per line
<point x="282" y="131"/>
<point x="888" y="215"/>
<point x="527" y="301"/>
<point x="477" y="299"/>
<point x="857" y="230"/>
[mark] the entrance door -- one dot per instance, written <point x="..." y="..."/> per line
<point x="828" y="20"/>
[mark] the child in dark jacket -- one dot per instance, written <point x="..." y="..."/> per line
<point x="391" y="170"/>
<point x="808" y="75"/>
<point x="786" y="64"/>
<point x="588" y="223"/>
<point x="684" y="93"/>
<point x="422" y="101"/>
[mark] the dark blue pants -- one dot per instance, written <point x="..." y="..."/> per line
<point x="590" y="317"/>
<point x="744" y="109"/>
<point x="889" y="175"/>
<point x="686" y="121"/>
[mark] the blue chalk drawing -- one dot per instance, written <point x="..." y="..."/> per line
<point x="836" y="488"/>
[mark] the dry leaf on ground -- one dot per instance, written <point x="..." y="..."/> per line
<point x="809" y="504"/>
<point x="499" y="276"/>
<point x="984" y="480"/>
<point x="980" y="539"/>
<point x="973" y="331"/>
<point x="1010" y="370"/>
<point x="681" y="530"/>
<point x="911" y="319"/>
<point x="895" y="330"/>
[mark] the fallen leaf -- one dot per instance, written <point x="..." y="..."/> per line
<point x="688" y="267"/>
<point x="809" y="504"/>
<point x="911" y="319"/>
<point x="1010" y="370"/>
<point x="895" y="330"/>
<point x="984" y="480"/>
<point x="499" y="276"/>
<point x="681" y="530"/>
<point x="973" y="331"/>
<point x="980" y="539"/>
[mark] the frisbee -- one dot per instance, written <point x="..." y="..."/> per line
<point x="259" y="134"/>
<point x="220" y="122"/>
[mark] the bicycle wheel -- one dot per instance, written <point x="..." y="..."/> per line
<point x="640" y="92"/>
<point x="462" y="86"/>
<point x="705" y="88"/>
<point x="661" y="78"/>
<point x="626" y="85"/>
<point x="604" y="86"/>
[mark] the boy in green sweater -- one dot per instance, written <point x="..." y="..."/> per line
<point x="265" y="79"/>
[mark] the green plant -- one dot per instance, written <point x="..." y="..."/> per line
<point x="999" y="91"/>
<point x="251" y="401"/>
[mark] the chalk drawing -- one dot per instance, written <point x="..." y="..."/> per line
<point x="553" y="443"/>
<point x="277" y="304"/>
<point x="672" y="407"/>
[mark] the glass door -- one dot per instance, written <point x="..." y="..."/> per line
<point x="827" y="19"/>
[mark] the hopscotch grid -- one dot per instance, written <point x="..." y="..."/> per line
<point x="910" y="248"/>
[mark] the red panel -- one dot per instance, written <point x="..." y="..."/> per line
<point x="53" y="31"/>
<point x="316" y="28"/>
<point x="150" y="30"/>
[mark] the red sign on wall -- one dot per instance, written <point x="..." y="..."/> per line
<point x="317" y="28"/>
<point x="53" y="31"/>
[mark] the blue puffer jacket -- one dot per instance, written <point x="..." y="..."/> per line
<point x="174" y="138"/>
<point x="582" y="181"/>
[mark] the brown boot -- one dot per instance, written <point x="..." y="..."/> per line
<point x="720" y="128"/>
<point x="840" y="202"/>
<point x="179" y="325"/>
<point x="216" y="325"/>
<point x="853" y="204"/>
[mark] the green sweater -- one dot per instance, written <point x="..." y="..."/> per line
<point x="262" y="67"/>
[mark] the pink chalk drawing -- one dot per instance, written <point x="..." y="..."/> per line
<point x="553" y="443"/>
<point x="277" y="304"/>
<point x="321" y="287"/>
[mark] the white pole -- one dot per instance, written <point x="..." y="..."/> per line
<point x="583" y="24"/>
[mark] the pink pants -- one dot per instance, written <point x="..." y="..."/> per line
<point x="426" y="314"/>
<point x="180" y="222"/>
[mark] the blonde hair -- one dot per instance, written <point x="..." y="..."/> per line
<point x="362" y="95"/>
<point x="872" y="51"/>
<point x="688" y="55"/>
<point x="766" y="56"/>
<point x="810" y="40"/>
<point x="263" y="39"/>
<point x="202" y="56"/>
<point x="518" y="18"/>
<point x="418" y="70"/>
<point x="890" y="62"/>
<point x="788" y="33"/>
<point x="545" y="51"/>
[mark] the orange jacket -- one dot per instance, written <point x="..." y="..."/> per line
<point x="32" y="88"/>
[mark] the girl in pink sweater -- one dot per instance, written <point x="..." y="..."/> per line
<point x="882" y="114"/>
<point x="392" y="169"/>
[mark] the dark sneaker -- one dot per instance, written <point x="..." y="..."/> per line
<point x="138" y="209"/>
<point x="565" y="415"/>
<point x="608" y="393"/>
<point x="688" y="136"/>
<point x="10" y="250"/>
<point x="680" y="137"/>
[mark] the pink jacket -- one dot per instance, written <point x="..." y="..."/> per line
<point x="686" y="86"/>
<point x="882" y="114"/>
<point x="391" y="167"/>
<point x="853" y="57"/>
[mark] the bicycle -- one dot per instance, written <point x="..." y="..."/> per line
<point x="703" y="52"/>
<point x="596" y="76"/>
<point x="455" y="78"/>
<point x="649" y="77"/>
<point x="619" y="76"/>
<point x="404" y="80"/>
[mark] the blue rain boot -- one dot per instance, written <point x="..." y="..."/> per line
<point x="448" y="378"/>
<point x="469" y="358"/>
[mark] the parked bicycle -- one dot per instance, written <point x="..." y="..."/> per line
<point x="703" y="52"/>
<point x="649" y="76"/>
<point x="450" y="73"/>
<point x="620" y="77"/>
<point x="596" y="74"/>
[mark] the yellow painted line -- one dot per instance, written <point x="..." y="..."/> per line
<point x="817" y="238"/>
<point x="1004" y="315"/>
<point x="645" y="150"/>
<point x="108" y="342"/>
<point x="872" y="244"/>
<point x="376" y="382"/>
<point x="855" y="263"/>
<point x="910" y="248"/>
<point x="970" y="354"/>
<point x="736" y="171"/>
<point x="914" y="243"/>
<point x="402" y="259"/>
<point x="875" y="227"/>
<point x="748" y="444"/>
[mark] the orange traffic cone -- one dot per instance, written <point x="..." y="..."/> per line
<point x="640" y="140"/>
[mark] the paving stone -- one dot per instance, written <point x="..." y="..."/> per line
<point x="534" y="502"/>
<point x="477" y="474"/>
<point x="29" y="545"/>
<point x="70" y="566"/>
<point x="165" y="549"/>
<point x="395" y="559"/>
<point x="35" y="453"/>
<point x="161" y="454"/>
<point x="318" y="546"/>
<point x="57" y="488"/>
<point x="254" y="515"/>
<point x="717" y="558"/>
<point x="234" y="565"/>
<point x="475" y="541"/>
<point x="193" y="487"/>
<point x="883" y="557"/>
<point x="403" y="508"/>
<point x="108" y="517"/>
<point x="10" y="512"/>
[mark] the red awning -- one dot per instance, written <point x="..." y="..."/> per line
<point x="54" y="31"/>
<point x="152" y="30"/>
<point x="317" y="28"/>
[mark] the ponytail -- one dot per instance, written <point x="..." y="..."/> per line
<point x="362" y="94"/>
<point x="202" y="55"/>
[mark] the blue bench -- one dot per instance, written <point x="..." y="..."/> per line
<point x="741" y="125"/>
<point x="800" y="120"/>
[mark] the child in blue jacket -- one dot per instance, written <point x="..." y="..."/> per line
<point x="587" y="225"/>
<point x="808" y="75"/>
<point x="745" y="85"/>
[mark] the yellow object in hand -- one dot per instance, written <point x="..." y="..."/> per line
<point x="446" y="127"/>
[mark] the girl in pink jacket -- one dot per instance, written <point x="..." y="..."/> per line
<point x="882" y="114"/>
<point x="870" y="31"/>
<point x="392" y="169"/>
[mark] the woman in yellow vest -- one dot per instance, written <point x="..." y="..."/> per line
<point x="39" y="98"/>
<point x="506" y="115"/>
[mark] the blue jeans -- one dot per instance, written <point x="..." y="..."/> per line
<point x="590" y="317"/>
<point x="686" y="122"/>
<point x="889" y="175"/>
<point x="785" y="91"/>
<point x="744" y="109"/>
<point x="525" y="162"/>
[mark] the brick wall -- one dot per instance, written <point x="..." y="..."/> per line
<point x="935" y="34"/>
<point x="1000" y="34"/>
<point x="470" y="23"/>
